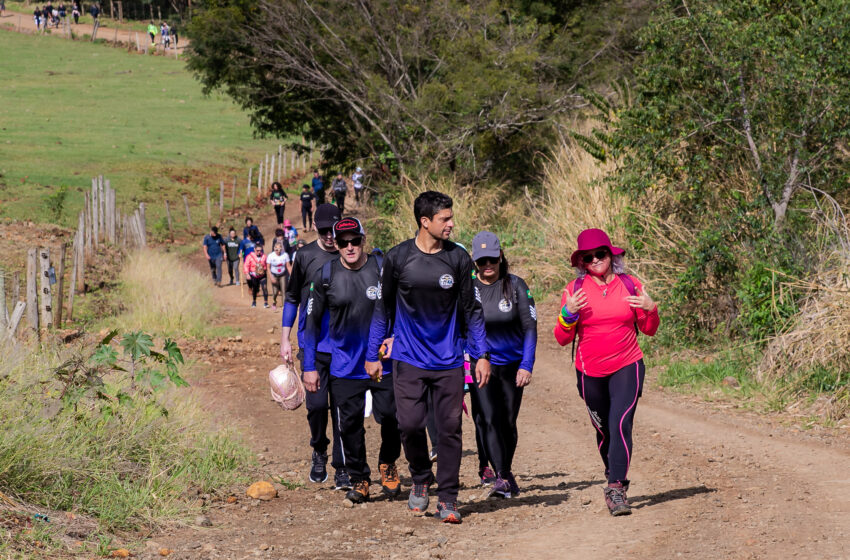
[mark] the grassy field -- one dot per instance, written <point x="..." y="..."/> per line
<point x="72" y="110"/>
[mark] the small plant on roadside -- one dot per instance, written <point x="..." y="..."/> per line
<point x="289" y="485"/>
<point x="55" y="203"/>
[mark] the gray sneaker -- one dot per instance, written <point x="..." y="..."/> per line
<point x="615" y="499"/>
<point x="447" y="512"/>
<point x="418" y="500"/>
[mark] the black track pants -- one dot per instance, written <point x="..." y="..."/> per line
<point x="498" y="405"/>
<point x="307" y="217"/>
<point x="611" y="402"/>
<point x="279" y="210"/>
<point x="318" y="408"/>
<point x="348" y="398"/>
<point x="412" y="385"/>
<point x="256" y="284"/>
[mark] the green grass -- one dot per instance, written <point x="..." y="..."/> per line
<point x="72" y="110"/>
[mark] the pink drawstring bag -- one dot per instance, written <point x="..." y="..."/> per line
<point x="286" y="387"/>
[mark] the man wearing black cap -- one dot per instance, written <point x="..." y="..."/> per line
<point x="308" y="262"/>
<point x="348" y="288"/>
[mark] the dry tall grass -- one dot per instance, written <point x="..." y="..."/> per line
<point x="165" y="295"/>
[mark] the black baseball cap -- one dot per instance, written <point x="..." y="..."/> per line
<point x="348" y="225"/>
<point x="326" y="216"/>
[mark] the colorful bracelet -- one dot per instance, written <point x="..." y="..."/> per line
<point x="569" y="317"/>
<point x="564" y="324"/>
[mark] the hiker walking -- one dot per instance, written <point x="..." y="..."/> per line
<point x="277" y="198"/>
<point x="255" y="274"/>
<point x="602" y="310"/>
<point x="357" y="179"/>
<point x="510" y="319"/>
<point x="427" y="304"/>
<point x="307" y="208"/>
<point x="164" y="34"/>
<point x="214" y="250"/>
<point x="278" y="262"/>
<point x="232" y="247"/>
<point x="152" y="32"/>
<point x="318" y="187"/>
<point x="291" y="235"/>
<point x="253" y="232"/>
<point x="76" y="10"/>
<point x="309" y="260"/>
<point x="347" y="288"/>
<point x="340" y="189"/>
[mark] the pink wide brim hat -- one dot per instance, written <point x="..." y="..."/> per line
<point x="591" y="239"/>
<point x="287" y="223"/>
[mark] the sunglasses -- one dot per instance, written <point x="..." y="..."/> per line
<point x="599" y="255"/>
<point x="487" y="260"/>
<point x="325" y="231"/>
<point x="354" y="242"/>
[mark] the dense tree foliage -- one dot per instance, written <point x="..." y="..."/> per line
<point x="737" y="131"/>
<point x="476" y="87"/>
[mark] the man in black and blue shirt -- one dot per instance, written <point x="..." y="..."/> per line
<point x="347" y="288"/>
<point x="428" y="306"/>
<point x="308" y="261"/>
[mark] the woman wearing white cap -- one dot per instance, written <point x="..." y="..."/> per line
<point x="510" y="319"/>
<point x="357" y="179"/>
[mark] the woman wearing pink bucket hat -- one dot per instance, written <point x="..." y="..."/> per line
<point x="601" y="312"/>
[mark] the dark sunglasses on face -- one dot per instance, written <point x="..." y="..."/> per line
<point x="354" y="242"/>
<point x="587" y="258"/>
<point x="487" y="260"/>
<point x="325" y="231"/>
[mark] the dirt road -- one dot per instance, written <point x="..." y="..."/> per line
<point x="706" y="482"/>
<point x="24" y="23"/>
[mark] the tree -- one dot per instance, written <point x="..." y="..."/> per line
<point x="476" y="87"/>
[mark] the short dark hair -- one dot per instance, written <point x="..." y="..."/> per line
<point x="249" y="218"/>
<point x="214" y="229"/>
<point x="428" y="203"/>
<point x="278" y="232"/>
<point x="232" y="229"/>
<point x="305" y="186"/>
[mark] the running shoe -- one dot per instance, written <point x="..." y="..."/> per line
<point x="266" y="305"/>
<point x="274" y="307"/>
<point x="360" y="492"/>
<point x="319" y="472"/>
<point x="253" y="304"/>
<point x="390" y="483"/>
<point x="487" y="476"/>
<point x="615" y="499"/>
<point x="447" y="512"/>
<point x="433" y="454"/>
<point x="418" y="500"/>
<point x="514" y="486"/>
<point x="342" y="481"/>
<point x="501" y="488"/>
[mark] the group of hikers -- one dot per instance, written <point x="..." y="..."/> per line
<point x="411" y="330"/>
<point x="315" y="193"/>
<point x="165" y="32"/>
<point x="50" y="15"/>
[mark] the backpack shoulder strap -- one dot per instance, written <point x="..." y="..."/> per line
<point x="327" y="270"/>
<point x="576" y="287"/>
<point x="630" y="286"/>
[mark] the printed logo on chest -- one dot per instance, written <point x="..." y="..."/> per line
<point x="505" y="306"/>
<point x="372" y="292"/>
<point x="446" y="281"/>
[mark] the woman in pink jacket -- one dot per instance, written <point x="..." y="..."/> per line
<point x="602" y="311"/>
<point x="255" y="271"/>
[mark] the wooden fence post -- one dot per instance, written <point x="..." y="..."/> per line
<point x="271" y="173"/>
<point x="4" y="313"/>
<point x="292" y="166"/>
<point x="80" y="253"/>
<point x="72" y="288"/>
<point x="279" y="161"/>
<point x="284" y="158"/>
<point x="14" y="320"/>
<point x="32" y="289"/>
<point x="250" y="172"/>
<point x="16" y="286"/>
<point x="168" y="216"/>
<point x="60" y="276"/>
<point x="260" y="179"/>
<point x="188" y="215"/>
<point x="265" y="175"/>
<point x="143" y="224"/>
<point x="209" y="212"/>
<point x="94" y="206"/>
<point x="46" y="296"/>
<point x="220" y="200"/>
<point x="233" y="196"/>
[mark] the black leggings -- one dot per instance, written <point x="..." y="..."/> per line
<point x="255" y="284"/>
<point x="278" y="210"/>
<point x="498" y="403"/>
<point x="307" y="217"/>
<point x="611" y="402"/>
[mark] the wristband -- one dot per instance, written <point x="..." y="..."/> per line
<point x="569" y="317"/>
<point x="564" y="324"/>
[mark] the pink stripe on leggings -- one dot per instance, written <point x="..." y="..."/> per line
<point x="637" y="390"/>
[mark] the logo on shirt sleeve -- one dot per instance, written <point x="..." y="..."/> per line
<point x="477" y="294"/>
<point x="505" y="306"/>
<point x="372" y="292"/>
<point x="533" y="312"/>
<point x="309" y="306"/>
<point x="446" y="281"/>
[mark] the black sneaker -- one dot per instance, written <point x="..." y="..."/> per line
<point x="319" y="472"/>
<point x="341" y="480"/>
<point x="615" y="499"/>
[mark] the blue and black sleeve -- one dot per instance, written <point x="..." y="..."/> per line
<point x="384" y="313"/>
<point x="528" y="320"/>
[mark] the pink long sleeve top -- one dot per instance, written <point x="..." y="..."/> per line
<point x="607" y="340"/>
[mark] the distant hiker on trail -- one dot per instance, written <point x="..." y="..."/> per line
<point x="246" y="247"/>
<point x="253" y="232"/>
<point x="357" y="179"/>
<point x="602" y="310"/>
<point x="214" y="250"/>
<point x="164" y="33"/>
<point x="340" y="189"/>
<point x="291" y="235"/>
<point x="76" y="11"/>
<point x="279" y="267"/>
<point x="347" y="288"/>
<point x="36" y="17"/>
<point x="278" y="201"/>
<point x="232" y="246"/>
<point x="255" y="273"/>
<point x="63" y="12"/>
<point x="94" y="10"/>
<point x="2" y="7"/>
<point x="174" y="35"/>
<point x="510" y="320"/>
<point x="307" y="208"/>
<point x="308" y="262"/>
<point x="427" y="304"/>
<point x="318" y="187"/>
<point x="152" y="32"/>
